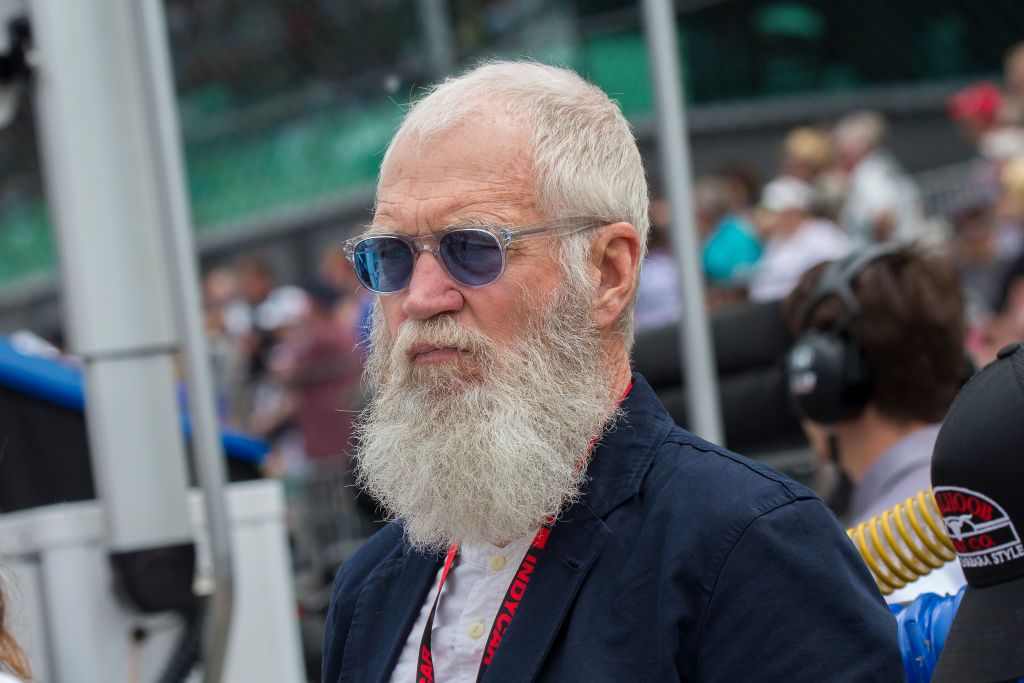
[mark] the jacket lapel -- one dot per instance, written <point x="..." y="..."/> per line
<point x="575" y="542"/>
<point x="386" y="609"/>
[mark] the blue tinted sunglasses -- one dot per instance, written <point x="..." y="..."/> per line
<point x="473" y="255"/>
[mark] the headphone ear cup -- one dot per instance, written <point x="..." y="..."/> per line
<point x="857" y="380"/>
<point x="816" y="374"/>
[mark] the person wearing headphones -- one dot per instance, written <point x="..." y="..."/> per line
<point x="877" y="362"/>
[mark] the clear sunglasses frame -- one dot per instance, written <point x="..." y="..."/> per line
<point x="504" y="235"/>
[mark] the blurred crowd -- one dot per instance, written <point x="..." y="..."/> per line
<point x="287" y="359"/>
<point x="838" y="186"/>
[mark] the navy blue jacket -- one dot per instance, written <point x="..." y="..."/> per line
<point x="682" y="561"/>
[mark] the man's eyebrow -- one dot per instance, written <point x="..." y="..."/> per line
<point x="473" y="221"/>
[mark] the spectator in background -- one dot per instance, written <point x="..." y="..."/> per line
<point x="794" y="239"/>
<point x="281" y="319"/>
<point x="256" y="280"/>
<point x="731" y="247"/>
<point x="979" y="262"/>
<point x="227" y="321"/>
<point x="807" y="155"/>
<point x="321" y="370"/>
<point x="1006" y="325"/>
<point x="975" y="109"/>
<point x="881" y="202"/>
<point x="1003" y="321"/>
<point x="1010" y="210"/>
<point x="1012" y="112"/>
<point x="907" y="339"/>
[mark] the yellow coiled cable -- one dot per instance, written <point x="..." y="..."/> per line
<point x="898" y="547"/>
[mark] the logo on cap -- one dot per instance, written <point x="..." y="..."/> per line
<point x="980" y="529"/>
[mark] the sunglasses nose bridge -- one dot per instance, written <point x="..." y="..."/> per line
<point x="430" y="246"/>
<point x="420" y="247"/>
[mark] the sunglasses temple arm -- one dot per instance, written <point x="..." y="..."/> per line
<point x="508" y="236"/>
<point x="558" y="230"/>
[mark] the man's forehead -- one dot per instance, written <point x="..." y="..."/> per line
<point x="389" y="218"/>
<point x="459" y="177"/>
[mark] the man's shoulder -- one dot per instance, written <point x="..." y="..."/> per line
<point x="692" y="476"/>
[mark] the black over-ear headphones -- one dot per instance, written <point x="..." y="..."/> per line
<point x="827" y="371"/>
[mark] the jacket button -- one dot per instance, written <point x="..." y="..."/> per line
<point x="497" y="562"/>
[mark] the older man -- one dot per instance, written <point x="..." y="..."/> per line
<point x="551" y="522"/>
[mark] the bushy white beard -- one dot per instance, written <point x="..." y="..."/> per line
<point x="484" y="448"/>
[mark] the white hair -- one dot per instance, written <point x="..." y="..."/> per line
<point x="585" y="160"/>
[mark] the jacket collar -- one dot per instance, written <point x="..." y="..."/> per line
<point x="626" y="449"/>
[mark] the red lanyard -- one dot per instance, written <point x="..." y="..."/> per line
<point x="509" y="604"/>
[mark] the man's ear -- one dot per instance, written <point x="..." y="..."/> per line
<point x="615" y="257"/>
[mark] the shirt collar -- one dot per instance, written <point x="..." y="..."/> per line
<point x="479" y="554"/>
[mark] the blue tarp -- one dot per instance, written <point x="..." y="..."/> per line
<point x="60" y="383"/>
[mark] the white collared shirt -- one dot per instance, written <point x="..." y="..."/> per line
<point x="469" y="603"/>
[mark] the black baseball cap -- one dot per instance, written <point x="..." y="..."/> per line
<point x="978" y="481"/>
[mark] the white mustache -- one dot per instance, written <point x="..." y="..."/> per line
<point x="440" y="332"/>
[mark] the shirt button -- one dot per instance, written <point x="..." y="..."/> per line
<point x="476" y="630"/>
<point x="497" y="562"/>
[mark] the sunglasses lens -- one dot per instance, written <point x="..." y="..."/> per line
<point x="383" y="264"/>
<point x="473" y="257"/>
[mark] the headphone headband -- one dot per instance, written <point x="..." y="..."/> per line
<point x="827" y="371"/>
<point x="838" y="278"/>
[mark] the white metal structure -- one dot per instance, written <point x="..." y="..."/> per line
<point x="74" y="630"/>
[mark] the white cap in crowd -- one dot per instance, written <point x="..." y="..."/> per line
<point x="786" y="194"/>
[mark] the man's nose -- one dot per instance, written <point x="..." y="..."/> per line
<point x="431" y="290"/>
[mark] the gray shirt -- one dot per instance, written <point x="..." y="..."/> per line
<point x="898" y="474"/>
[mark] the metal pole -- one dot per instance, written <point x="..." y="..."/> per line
<point x="153" y="51"/>
<point x="697" y="352"/>
<point x="437" y="34"/>
<point x="101" y="190"/>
